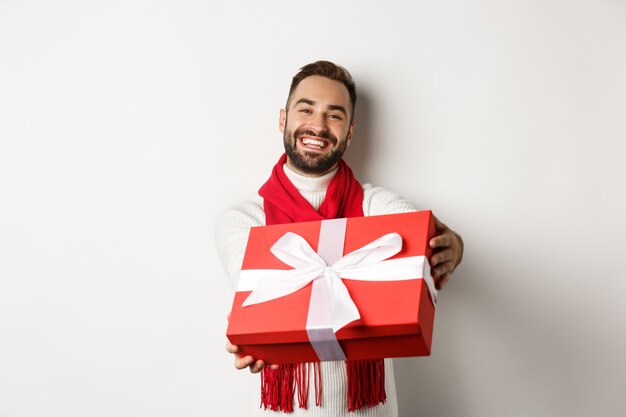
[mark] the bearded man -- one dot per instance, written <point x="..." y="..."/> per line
<point x="312" y="182"/>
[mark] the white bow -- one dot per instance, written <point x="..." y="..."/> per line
<point x="369" y="263"/>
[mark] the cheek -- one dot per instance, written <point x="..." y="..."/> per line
<point x="291" y="124"/>
<point x="341" y="132"/>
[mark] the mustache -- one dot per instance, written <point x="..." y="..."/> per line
<point x="324" y="134"/>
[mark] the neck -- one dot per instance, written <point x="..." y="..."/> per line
<point x="313" y="189"/>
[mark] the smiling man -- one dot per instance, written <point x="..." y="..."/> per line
<point x="317" y="125"/>
<point x="312" y="182"/>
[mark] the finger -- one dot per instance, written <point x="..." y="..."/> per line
<point x="442" y="240"/>
<point x="445" y="255"/>
<point x="274" y="367"/>
<point x="244" y="362"/>
<point x="443" y="269"/>
<point x="230" y="348"/>
<point x="257" y="366"/>
<point x="442" y="281"/>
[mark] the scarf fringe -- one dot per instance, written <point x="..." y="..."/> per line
<point x="366" y="385"/>
<point x="278" y="386"/>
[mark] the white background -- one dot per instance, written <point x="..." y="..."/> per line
<point x="127" y="126"/>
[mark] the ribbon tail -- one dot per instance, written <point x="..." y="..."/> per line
<point x="342" y="308"/>
<point x="281" y="284"/>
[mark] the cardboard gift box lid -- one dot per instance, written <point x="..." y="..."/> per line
<point x="393" y="313"/>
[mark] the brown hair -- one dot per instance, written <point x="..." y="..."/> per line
<point x="329" y="70"/>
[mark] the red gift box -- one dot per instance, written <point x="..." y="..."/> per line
<point x="394" y="297"/>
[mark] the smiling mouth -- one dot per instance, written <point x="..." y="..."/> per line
<point x="313" y="143"/>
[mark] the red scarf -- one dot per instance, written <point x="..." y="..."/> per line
<point x="283" y="203"/>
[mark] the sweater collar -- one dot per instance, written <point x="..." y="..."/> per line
<point x="310" y="184"/>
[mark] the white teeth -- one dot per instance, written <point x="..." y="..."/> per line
<point x="314" y="142"/>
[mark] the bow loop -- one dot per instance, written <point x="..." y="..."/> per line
<point x="294" y="251"/>
<point x="373" y="253"/>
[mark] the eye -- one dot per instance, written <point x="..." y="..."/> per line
<point x="306" y="111"/>
<point x="335" y="116"/>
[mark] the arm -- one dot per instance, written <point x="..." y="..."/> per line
<point x="231" y="236"/>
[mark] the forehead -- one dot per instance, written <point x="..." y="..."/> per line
<point x="322" y="90"/>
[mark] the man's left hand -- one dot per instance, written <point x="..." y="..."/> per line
<point x="447" y="253"/>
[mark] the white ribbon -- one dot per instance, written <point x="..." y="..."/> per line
<point x="331" y="306"/>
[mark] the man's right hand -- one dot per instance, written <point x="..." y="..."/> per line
<point x="246" y="361"/>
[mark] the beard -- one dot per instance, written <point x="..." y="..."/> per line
<point x="312" y="162"/>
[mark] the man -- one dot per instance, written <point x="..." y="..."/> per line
<point x="312" y="182"/>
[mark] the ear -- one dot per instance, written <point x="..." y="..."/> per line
<point x="282" y="120"/>
<point x="350" y="131"/>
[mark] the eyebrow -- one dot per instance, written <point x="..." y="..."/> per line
<point x="330" y="106"/>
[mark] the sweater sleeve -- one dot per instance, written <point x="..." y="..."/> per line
<point x="231" y="235"/>
<point x="379" y="200"/>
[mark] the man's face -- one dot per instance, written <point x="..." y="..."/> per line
<point x="316" y="127"/>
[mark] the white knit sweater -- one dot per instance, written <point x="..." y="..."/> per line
<point x="231" y="235"/>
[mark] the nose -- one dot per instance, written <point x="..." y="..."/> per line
<point x="319" y="122"/>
